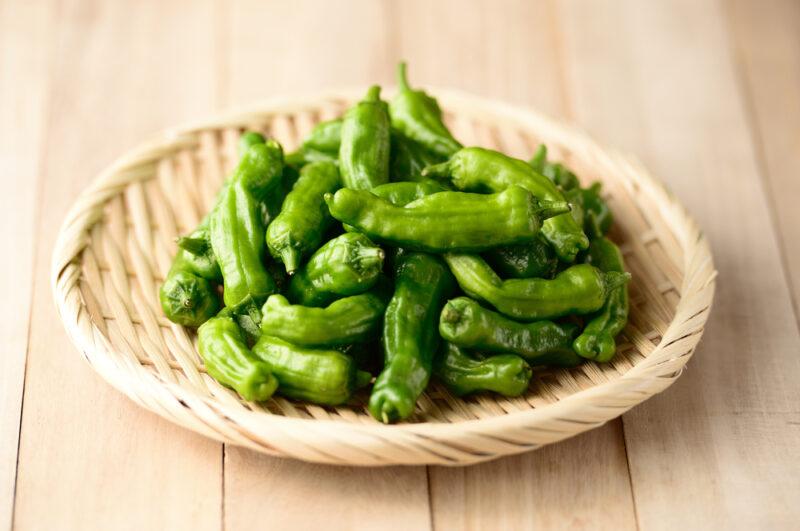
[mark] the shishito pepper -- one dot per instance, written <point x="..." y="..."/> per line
<point x="446" y="221"/>
<point x="525" y="260"/>
<point x="346" y="265"/>
<point x="597" y="341"/>
<point x="597" y="216"/>
<point x="325" y="137"/>
<point x="365" y="145"/>
<point x="578" y="290"/>
<point x="409" y="335"/>
<point x="505" y="374"/>
<point x="417" y="116"/>
<point x="230" y="362"/>
<point x="304" y="217"/>
<point x="326" y="377"/>
<point x="408" y="158"/>
<point x="403" y="193"/>
<point x="555" y="171"/>
<point x="345" y="321"/>
<point x="480" y="170"/>
<point x="467" y="324"/>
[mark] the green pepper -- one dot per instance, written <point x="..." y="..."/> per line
<point x="505" y="374"/>
<point x="230" y="362"/>
<point x="403" y="193"/>
<point x="409" y="335"/>
<point x="260" y="168"/>
<point x="237" y="237"/>
<point x="525" y="260"/>
<point x="555" y="171"/>
<point x="346" y="265"/>
<point x="597" y="342"/>
<point x="598" y="217"/>
<point x="408" y="158"/>
<point x="249" y="139"/>
<point x="325" y="377"/>
<point x="446" y="221"/>
<point x="325" y="137"/>
<point x="417" y="116"/>
<point x="480" y="170"/>
<point x="349" y="320"/>
<point x="467" y="324"/>
<point x="365" y="145"/>
<point x="304" y="217"/>
<point x="579" y="289"/>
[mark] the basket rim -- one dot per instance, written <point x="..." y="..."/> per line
<point x="644" y="379"/>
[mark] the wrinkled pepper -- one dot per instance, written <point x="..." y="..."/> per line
<point x="505" y="374"/>
<point x="525" y="260"/>
<point x="365" y="145"/>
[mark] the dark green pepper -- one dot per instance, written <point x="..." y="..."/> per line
<point x="365" y="145"/>
<point x="304" y="216"/>
<point x="417" y="115"/>
<point x="505" y="374"/>
<point x="230" y="362"/>
<point x="579" y="289"/>
<point x="326" y="377"/>
<point x="237" y="237"/>
<point x="346" y="265"/>
<point x="597" y="342"/>
<point x="349" y="320"/>
<point x="409" y="158"/>
<point x="555" y="171"/>
<point x="467" y="324"/>
<point x="597" y="217"/>
<point x="525" y="260"/>
<point x="409" y="335"/>
<point x="403" y="193"/>
<point x="446" y="221"/>
<point x="481" y="170"/>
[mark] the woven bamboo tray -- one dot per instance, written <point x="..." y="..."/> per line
<point x="117" y="243"/>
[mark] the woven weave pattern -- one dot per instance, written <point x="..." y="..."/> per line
<point x="117" y="244"/>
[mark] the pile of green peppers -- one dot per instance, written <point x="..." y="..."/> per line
<point x="384" y="253"/>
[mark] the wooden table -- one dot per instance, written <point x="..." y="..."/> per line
<point x="706" y="92"/>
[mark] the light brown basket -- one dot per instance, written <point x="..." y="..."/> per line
<point x="117" y="242"/>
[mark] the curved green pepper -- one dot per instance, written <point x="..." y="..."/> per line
<point x="409" y="335"/>
<point x="579" y="289"/>
<point x="555" y="171"/>
<point x="349" y="320"/>
<point x="505" y="374"/>
<point x="230" y="362"/>
<point x="597" y="342"/>
<point x="446" y="221"/>
<point x="467" y="324"/>
<point x="365" y="145"/>
<point x="403" y="193"/>
<point x="598" y="217"/>
<point x="237" y="237"/>
<point x="304" y="217"/>
<point x="346" y="265"/>
<point x="325" y="377"/>
<point x="418" y="116"/>
<point x="409" y="158"/>
<point x="325" y="137"/>
<point x="479" y="170"/>
<point x="525" y="260"/>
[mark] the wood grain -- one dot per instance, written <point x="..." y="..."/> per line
<point x="658" y="79"/>
<point x="24" y="78"/>
<point x="89" y="458"/>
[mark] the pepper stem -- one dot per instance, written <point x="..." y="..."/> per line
<point x="549" y="209"/>
<point x="439" y="171"/>
<point x="402" y="80"/>
<point x="196" y="246"/>
<point x="539" y="158"/>
<point x="450" y="314"/>
<point x="373" y="94"/>
<point x="615" y="279"/>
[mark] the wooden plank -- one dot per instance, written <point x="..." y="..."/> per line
<point x="24" y="48"/>
<point x="513" y="54"/>
<point x="89" y="458"/>
<point x="337" y="44"/>
<point x="719" y="449"/>
<point x="768" y="57"/>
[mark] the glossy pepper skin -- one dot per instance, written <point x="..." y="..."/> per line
<point x="237" y="237"/>
<point x="408" y="158"/>
<point x="467" y="324"/>
<point x="535" y="258"/>
<point x="505" y="374"/>
<point x="298" y="229"/>
<point x="481" y="170"/>
<point x="578" y="290"/>
<point x="346" y="265"/>
<point x="345" y="321"/>
<point x="403" y="193"/>
<point x="409" y="335"/>
<point x="445" y="221"/>
<point x="325" y="137"/>
<point x="417" y="115"/>
<point x="325" y="377"/>
<point x="365" y="146"/>
<point x="230" y="362"/>
<point x="555" y="171"/>
<point x="597" y="341"/>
